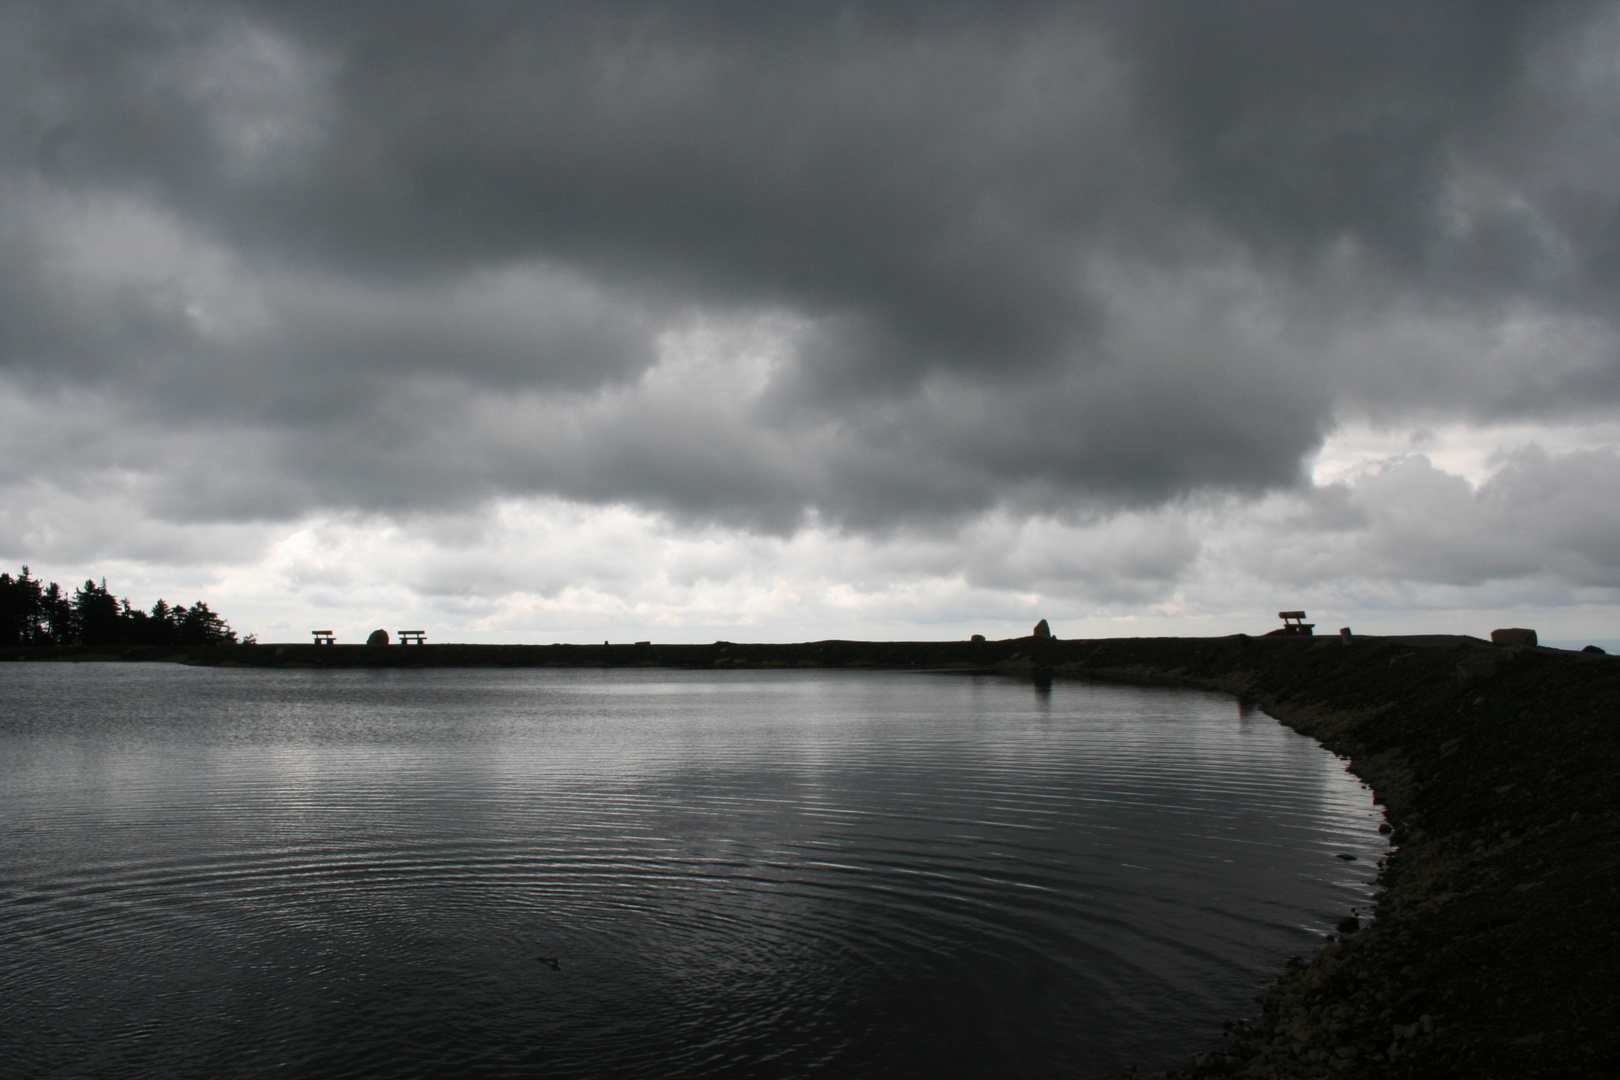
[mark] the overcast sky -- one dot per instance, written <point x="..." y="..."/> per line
<point x="536" y="322"/>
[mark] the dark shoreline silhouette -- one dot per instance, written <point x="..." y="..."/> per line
<point x="1491" y="951"/>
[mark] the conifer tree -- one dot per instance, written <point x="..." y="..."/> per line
<point x="33" y="612"/>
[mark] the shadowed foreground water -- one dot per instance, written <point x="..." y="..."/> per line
<point x="209" y="872"/>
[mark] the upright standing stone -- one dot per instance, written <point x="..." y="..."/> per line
<point x="1042" y="631"/>
<point x="378" y="637"/>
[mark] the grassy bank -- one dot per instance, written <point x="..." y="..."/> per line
<point x="1494" y="950"/>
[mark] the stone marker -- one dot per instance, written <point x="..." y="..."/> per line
<point x="977" y="637"/>
<point x="1042" y="630"/>
<point x="1513" y="635"/>
<point x="378" y="637"/>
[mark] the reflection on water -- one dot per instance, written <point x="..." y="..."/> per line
<point x="212" y="872"/>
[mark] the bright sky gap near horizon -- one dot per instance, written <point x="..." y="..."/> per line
<point x="686" y="321"/>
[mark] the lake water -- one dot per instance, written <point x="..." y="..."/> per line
<point x="209" y="872"/>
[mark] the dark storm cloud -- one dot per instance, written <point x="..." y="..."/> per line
<point x="1298" y="124"/>
<point x="1027" y="254"/>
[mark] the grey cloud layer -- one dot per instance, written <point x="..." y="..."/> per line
<point x="940" y="257"/>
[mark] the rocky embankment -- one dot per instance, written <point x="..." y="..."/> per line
<point x="1494" y="950"/>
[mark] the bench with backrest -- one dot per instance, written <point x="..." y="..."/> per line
<point x="1294" y="623"/>
<point x="413" y="637"/>
<point x="324" y="637"/>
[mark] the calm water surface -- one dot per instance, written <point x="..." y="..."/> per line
<point x="245" y="873"/>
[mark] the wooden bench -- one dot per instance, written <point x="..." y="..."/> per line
<point x="1294" y="623"/>
<point x="324" y="637"/>
<point x="413" y="637"/>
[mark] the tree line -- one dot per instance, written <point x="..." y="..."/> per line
<point x="33" y="612"/>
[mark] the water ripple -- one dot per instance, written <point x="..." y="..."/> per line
<point x="751" y="874"/>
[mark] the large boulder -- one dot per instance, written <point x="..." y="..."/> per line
<point x="1513" y="635"/>
<point x="1042" y="630"/>
<point x="378" y="637"/>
